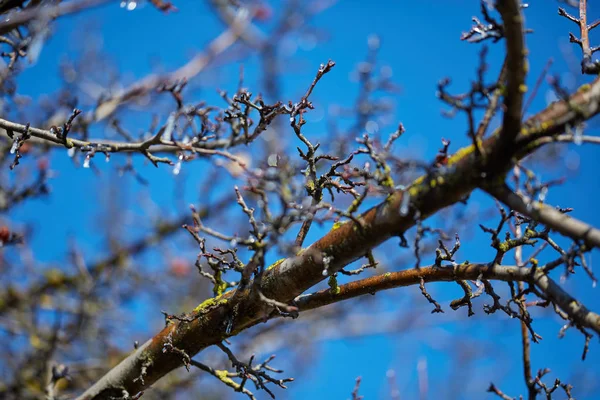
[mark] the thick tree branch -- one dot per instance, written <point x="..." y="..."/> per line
<point x="219" y="318"/>
<point x="576" y="311"/>
<point x="515" y="76"/>
<point x="293" y="276"/>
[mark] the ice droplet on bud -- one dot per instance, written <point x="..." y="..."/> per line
<point x="578" y="135"/>
<point x="405" y="203"/>
<point x="130" y="5"/>
<point x="272" y="160"/>
<point x="14" y="146"/>
<point x="86" y="162"/>
<point x="177" y="168"/>
<point x="543" y="193"/>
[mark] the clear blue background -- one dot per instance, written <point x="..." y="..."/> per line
<point x="420" y="42"/>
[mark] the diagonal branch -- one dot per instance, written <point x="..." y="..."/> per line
<point x="549" y="216"/>
<point x="507" y="273"/>
<point x="208" y="324"/>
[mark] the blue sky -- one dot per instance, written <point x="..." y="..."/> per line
<point x="420" y="43"/>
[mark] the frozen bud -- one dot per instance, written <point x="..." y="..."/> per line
<point x="272" y="160"/>
<point x="405" y="203"/>
<point x="372" y="126"/>
<point x="543" y="194"/>
<point x="130" y="5"/>
<point x="578" y="135"/>
<point x="14" y="147"/>
<point x="177" y="168"/>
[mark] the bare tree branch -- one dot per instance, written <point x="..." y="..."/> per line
<point x="548" y="216"/>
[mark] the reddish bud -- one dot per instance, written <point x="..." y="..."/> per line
<point x="4" y="234"/>
<point x="263" y="13"/>
<point x="25" y="147"/>
<point x="179" y="267"/>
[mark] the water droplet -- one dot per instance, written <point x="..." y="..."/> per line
<point x="177" y="168"/>
<point x="272" y="160"/>
<point x="543" y="193"/>
<point x="386" y="72"/>
<point x="233" y="242"/>
<point x="371" y="127"/>
<point x="373" y="41"/>
<point x="86" y="162"/>
<point x="594" y="283"/>
<point x="14" y="146"/>
<point x="107" y="159"/>
<point x="404" y="205"/>
<point x="578" y="135"/>
<point x="71" y="152"/>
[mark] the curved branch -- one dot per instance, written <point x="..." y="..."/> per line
<point x="575" y="310"/>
